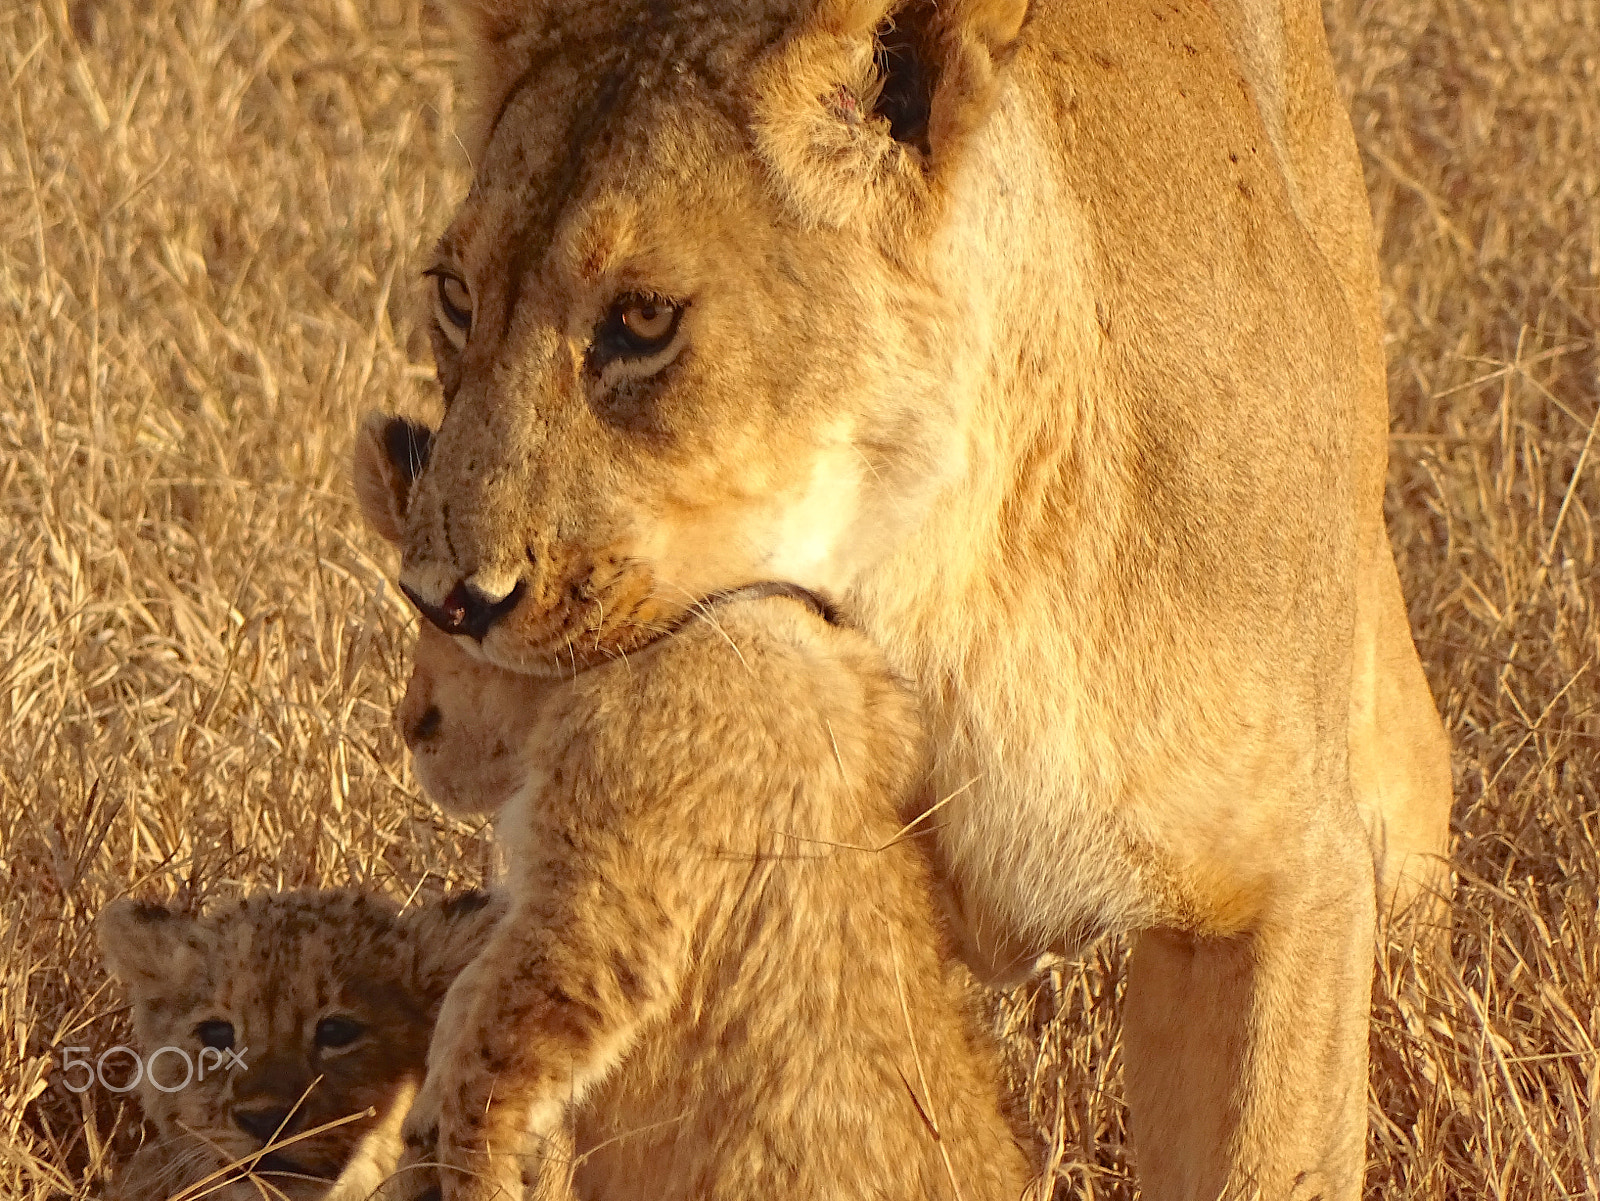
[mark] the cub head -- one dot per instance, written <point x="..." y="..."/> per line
<point x="687" y="320"/>
<point x="469" y="725"/>
<point x="282" y="1013"/>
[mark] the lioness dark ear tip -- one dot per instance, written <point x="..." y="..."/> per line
<point x="372" y="478"/>
<point x="397" y="442"/>
<point x="370" y="454"/>
<point x="373" y="422"/>
<point x="390" y="453"/>
<point x="407" y="444"/>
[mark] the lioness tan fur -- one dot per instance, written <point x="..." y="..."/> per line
<point x="723" y="975"/>
<point x="297" y="1013"/>
<point x="1043" y="339"/>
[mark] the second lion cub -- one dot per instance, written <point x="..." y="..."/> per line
<point x="721" y="976"/>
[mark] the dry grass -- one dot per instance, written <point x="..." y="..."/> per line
<point x="210" y="220"/>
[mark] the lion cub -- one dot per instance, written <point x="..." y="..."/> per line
<point x="722" y="975"/>
<point x="292" y="1011"/>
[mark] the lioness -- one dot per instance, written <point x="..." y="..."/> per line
<point x="283" y="1035"/>
<point x="1043" y="340"/>
<point x="722" y="976"/>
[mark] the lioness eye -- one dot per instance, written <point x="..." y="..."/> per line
<point x="638" y="326"/>
<point x="338" y="1031"/>
<point x="216" y="1034"/>
<point x="648" y="320"/>
<point x="453" y="302"/>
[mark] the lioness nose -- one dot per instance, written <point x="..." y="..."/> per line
<point x="465" y="610"/>
<point x="264" y="1124"/>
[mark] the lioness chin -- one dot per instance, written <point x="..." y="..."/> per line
<point x="1042" y="339"/>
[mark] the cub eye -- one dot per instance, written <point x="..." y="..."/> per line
<point x="452" y="305"/>
<point x="338" y="1031"/>
<point x="216" y="1034"/>
<point x="638" y="326"/>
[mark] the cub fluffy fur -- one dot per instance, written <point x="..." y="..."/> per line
<point x="722" y="975"/>
<point x="327" y="999"/>
<point x="1043" y="339"/>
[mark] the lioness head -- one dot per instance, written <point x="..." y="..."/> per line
<point x="280" y="1014"/>
<point x="684" y="319"/>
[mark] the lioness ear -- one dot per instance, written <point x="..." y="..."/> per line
<point x="149" y="948"/>
<point x="390" y="453"/>
<point x="880" y="94"/>
<point x="492" y="35"/>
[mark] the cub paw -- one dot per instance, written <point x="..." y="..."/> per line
<point x="416" y="1176"/>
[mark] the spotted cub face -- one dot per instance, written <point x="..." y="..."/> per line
<point x="295" y="1013"/>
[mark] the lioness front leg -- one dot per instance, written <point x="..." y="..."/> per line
<point x="1247" y="1056"/>
<point x="553" y="1003"/>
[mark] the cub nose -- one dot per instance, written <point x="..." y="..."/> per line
<point x="263" y="1124"/>
<point x="465" y="610"/>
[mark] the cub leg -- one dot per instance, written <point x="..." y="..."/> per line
<point x="547" y="1166"/>
<point x="1247" y="1056"/>
<point x="537" y="1019"/>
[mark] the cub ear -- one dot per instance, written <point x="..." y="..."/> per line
<point x="449" y="934"/>
<point x="390" y="453"/>
<point x="149" y="948"/>
<point x="875" y="94"/>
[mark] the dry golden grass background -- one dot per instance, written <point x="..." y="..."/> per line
<point x="211" y="222"/>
